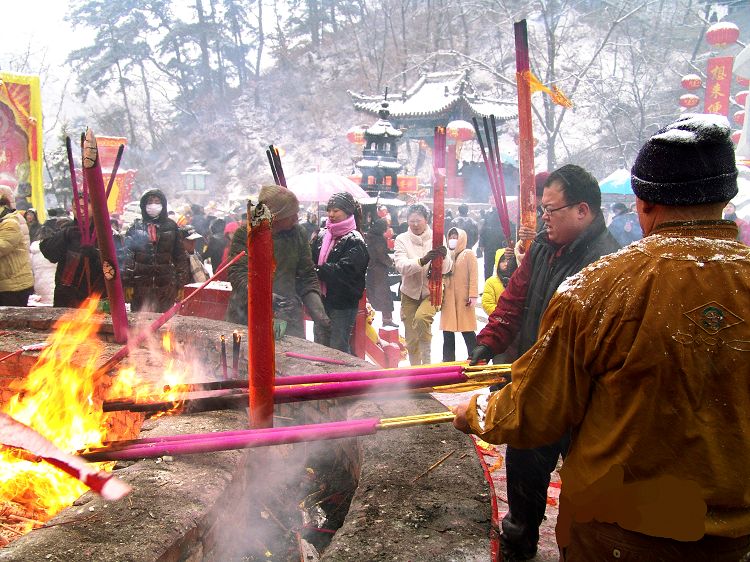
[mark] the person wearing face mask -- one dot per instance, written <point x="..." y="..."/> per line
<point x="458" y="313"/>
<point x="413" y="257"/>
<point x="155" y="263"/>
<point x="341" y="256"/>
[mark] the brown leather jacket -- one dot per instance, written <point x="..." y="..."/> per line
<point x="645" y="354"/>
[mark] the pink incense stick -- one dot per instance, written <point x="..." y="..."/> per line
<point x="366" y="375"/>
<point x="16" y="434"/>
<point x="314" y="358"/>
<point x="250" y="438"/>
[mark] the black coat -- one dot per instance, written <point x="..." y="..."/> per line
<point x="344" y="271"/>
<point x="79" y="270"/>
<point x="155" y="265"/>
<point x="378" y="290"/>
<point x="548" y="270"/>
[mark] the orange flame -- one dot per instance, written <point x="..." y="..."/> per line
<point x="58" y="399"/>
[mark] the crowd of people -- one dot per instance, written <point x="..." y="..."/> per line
<point x="629" y="353"/>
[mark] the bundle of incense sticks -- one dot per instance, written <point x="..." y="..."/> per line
<point x="441" y="381"/>
<point x="493" y="165"/>
<point x="244" y="439"/>
<point x="317" y="378"/>
<point x="438" y="215"/>
<point x="92" y="173"/>
<point x="527" y="192"/>
<point x="274" y="159"/>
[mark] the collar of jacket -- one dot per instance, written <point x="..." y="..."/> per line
<point x="723" y="229"/>
<point x="422" y="239"/>
<point x="593" y="230"/>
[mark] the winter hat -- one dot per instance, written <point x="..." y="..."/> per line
<point x="689" y="162"/>
<point x="343" y="201"/>
<point x="6" y="194"/>
<point x="280" y="201"/>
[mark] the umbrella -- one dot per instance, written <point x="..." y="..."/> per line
<point x="319" y="186"/>
<point x="387" y="201"/>
<point x="617" y="182"/>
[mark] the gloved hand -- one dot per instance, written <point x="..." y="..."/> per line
<point x="432" y="254"/>
<point x="480" y="353"/>
<point x="316" y="309"/>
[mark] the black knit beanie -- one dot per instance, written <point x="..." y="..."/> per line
<point x="689" y="162"/>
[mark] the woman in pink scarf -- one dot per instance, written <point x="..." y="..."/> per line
<point x="341" y="257"/>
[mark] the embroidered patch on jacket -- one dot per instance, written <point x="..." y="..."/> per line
<point x="713" y="317"/>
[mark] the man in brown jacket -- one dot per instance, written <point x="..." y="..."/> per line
<point x="644" y="355"/>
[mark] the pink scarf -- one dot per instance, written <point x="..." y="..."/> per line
<point x="334" y="231"/>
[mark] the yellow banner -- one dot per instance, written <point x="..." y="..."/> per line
<point x="21" y="136"/>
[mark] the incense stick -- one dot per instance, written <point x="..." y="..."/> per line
<point x="224" y="358"/>
<point x="242" y="439"/>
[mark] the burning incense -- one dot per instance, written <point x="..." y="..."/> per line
<point x="315" y="358"/>
<point x="16" y="434"/>
<point x="236" y="340"/>
<point x="92" y="171"/>
<point x="223" y="358"/>
<point x="261" y="346"/>
<point x="274" y="159"/>
<point x="525" y="131"/>
<point x="124" y="351"/>
<point x="438" y="216"/>
<point x="244" y="439"/>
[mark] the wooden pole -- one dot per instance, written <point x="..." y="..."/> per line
<point x="525" y="131"/>
<point x="261" y="350"/>
<point x="92" y="173"/>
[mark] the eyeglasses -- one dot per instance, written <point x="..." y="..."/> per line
<point x="547" y="211"/>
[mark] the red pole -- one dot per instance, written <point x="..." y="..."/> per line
<point x="438" y="215"/>
<point x="527" y="199"/>
<point x="92" y="173"/>
<point x="261" y="350"/>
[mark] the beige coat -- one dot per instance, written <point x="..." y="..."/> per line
<point x="460" y="284"/>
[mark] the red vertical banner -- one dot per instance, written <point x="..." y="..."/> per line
<point x="719" y="72"/>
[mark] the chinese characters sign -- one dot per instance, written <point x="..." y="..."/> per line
<point x="718" y="84"/>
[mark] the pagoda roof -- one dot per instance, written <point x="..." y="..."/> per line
<point x="436" y="93"/>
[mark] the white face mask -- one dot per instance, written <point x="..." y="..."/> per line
<point x="452" y="244"/>
<point x="153" y="210"/>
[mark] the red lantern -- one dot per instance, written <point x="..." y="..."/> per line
<point x="739" y="117"/>
<point x="736" y="137"/>
<point x="691" y="82"/>
<point x="741" y="97"/>
<point x="356" y="135"/>
<point x="722" y="34"/>
<point x="744" y="82"/>
<point x="689" y="100"/>
<point x="459" y="131"/>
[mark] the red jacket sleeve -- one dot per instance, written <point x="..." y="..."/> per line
<point x="505" y="321"/>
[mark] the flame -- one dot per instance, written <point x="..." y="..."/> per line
<point x="167" y="388"/>
<point x="58" y="399"/>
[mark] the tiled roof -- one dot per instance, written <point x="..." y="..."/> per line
<point x="435" y="93"/>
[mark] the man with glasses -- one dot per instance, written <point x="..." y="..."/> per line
<point x="574" y="236"/>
